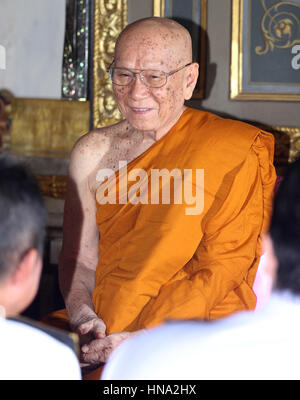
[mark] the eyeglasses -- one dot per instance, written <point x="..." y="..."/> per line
<point x="150" y="78"/>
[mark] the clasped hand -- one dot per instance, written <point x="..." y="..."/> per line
<point x="96" y="346"/>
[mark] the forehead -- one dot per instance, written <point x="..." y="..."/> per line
<point x="151" y="44"/>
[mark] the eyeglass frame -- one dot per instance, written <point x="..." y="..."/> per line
<point x="167" y="74"/>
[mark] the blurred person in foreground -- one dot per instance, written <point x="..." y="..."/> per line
<point x="26" y="350"/>
<point x="248" y="345"/>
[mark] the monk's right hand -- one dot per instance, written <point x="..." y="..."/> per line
<point x="90" y="327"/>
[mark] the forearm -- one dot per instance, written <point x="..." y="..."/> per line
<point x="76" y="284"/>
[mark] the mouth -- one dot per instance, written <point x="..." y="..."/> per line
<point x="141" y="110"/>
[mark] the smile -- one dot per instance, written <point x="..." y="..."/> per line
<point x="140" y="110"/>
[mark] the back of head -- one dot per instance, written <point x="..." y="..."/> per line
<point x="22" y="216"/>
<point x="285" y="230"/>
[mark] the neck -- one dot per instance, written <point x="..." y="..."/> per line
<point x="155" y="135"/>
<point x="140" y="135"/>
<point x="162" y="133"/>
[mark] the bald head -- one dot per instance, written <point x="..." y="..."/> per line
<point x="162" y="49"/>
<point x="158" y="35"/>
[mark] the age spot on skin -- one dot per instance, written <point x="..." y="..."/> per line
<point x="104" y="144"/>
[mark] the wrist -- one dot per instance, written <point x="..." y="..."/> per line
<point x="80" y="314"/>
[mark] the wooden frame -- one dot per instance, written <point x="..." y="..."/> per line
<point x="265" y="53"/>
<point x="192" y="14"/>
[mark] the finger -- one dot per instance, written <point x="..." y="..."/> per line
<point x="97" y="352"/>
<point x="85" y="327"/>
<point x="95" y="326"/>
<point x="95" y="346"/>
<point x="108" y="342"/>
<point x="99" y="329"/>
<point x="90" y="359"/>
<point x="98" y="349"/>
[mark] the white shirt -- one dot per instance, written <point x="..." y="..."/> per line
<point x="27" y="353"/>
<point x="246" y="345"/>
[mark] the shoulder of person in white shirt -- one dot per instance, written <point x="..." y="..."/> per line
<point x="26" y="351"/>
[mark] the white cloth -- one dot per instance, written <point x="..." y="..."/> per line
<point x="27" y="353"/>
<point x="247" y="345"/>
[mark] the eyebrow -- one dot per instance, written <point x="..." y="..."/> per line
<point x="143" y="69"/>
<point x="151" y="67"/>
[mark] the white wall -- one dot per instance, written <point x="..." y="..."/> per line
<point x="32" y="33"/>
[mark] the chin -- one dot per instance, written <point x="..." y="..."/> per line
<point x="143" y="122"/>
<point x="142" y="125"/>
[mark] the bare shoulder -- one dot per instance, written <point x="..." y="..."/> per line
<point x="91" y="148"/>
<point x="98" y="139"/>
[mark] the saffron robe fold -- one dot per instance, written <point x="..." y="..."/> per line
<point x="156" y="261"/>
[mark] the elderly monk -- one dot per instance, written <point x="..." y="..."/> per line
<point x="128" y="261"/>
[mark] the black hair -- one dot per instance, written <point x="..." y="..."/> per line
<point x="285" y="230"/>
<point x="22" y="215"/>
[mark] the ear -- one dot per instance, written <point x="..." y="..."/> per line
<point x="27" y="267"/>
<point x="191" y="77"/>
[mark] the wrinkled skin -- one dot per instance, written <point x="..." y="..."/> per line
<point x="166" y="47"/>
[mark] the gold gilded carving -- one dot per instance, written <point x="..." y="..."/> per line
<point x="43" y="125"/>
<point x="109" y="20"/>
<point x="280" y="25"/>
<point x="53" y="186"/>
<point x="287" y="144"/>
<point x="5" y="115"/>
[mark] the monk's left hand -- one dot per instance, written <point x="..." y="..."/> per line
<point x="99" y="350"/>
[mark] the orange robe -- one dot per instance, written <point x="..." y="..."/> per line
<point x="157" y="262"/>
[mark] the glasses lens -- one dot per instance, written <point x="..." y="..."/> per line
<point x="121" y="76"/>
<point x="154" y="78"/>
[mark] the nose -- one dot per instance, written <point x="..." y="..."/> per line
<point x="138" y="90"/>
